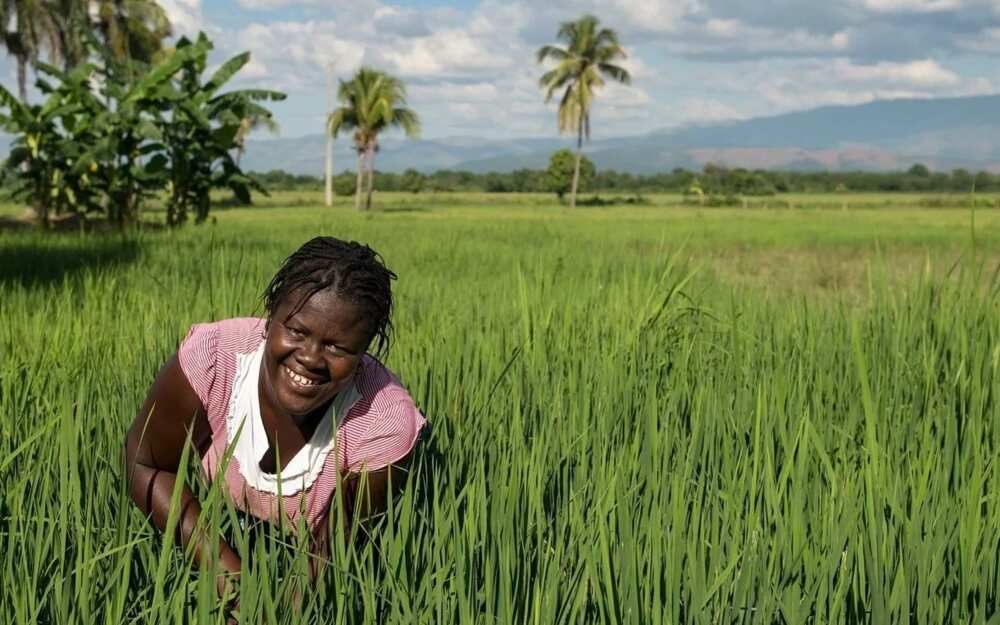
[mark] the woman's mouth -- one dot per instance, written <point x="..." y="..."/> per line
<point x="300" y="381"/>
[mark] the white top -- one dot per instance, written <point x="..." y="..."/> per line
<point x="245" y="428"/>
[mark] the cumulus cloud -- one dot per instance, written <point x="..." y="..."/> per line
<point x="471" y="68"/>
<point x="706" y="110"/>
<point x="185" y="16"/>
<point x="446" y="52"/>
<point x="726" y="37"/>
<point x="921" y="73"/>
<point x="917" y="6"/>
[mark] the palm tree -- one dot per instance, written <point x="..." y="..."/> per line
<point x="28" y="26"/>
<point x="372" y="101"/>
<point x="132" y="29"/>
<point x="589" y="55"/>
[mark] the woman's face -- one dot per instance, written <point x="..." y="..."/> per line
<point x="313" y="353"/>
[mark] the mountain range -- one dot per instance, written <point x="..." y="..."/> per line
<point x="942" y="133"/>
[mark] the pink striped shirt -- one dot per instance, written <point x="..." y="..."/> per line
<point x="380" y="429"/>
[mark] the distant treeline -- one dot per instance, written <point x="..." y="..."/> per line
<point x="711" y="180"/>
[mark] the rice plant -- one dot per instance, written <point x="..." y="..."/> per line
<point x="617" y="438"/>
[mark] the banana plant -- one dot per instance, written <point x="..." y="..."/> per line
<point x="200" y="132"/>
<point x="47" y="162"/>
<point x="104" y="141"/>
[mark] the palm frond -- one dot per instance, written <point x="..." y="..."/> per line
<point x="619" y="74"/>
<point x="550" y="52"/>
<point x="568" y="116"/>
<point x="408" y="120"/>
<point x="607" y="37"/>
<point x="341" y="119"/>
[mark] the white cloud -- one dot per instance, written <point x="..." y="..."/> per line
<point x="445" y="52"/>
<point x="254" y="69"/>
<point x="274" y="4"/>
<point x="465" y="110"/>
<point x="914" y="6"/>
<point x="637" y="68"/>
<point x="185" y="16"/>
<point x="618" y="95"/>
<point x="733" y="37"/>
<point x="706" y="110"/>
<point x="653" y="15"/>
<point x="986" y="40"/>
<point x="450" y="92"/>
<point x="472" y="69"/>
<point x="294" y="55"/>
<point x="922" y="73"/>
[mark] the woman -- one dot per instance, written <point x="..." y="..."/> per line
<point x="295" y="399"/>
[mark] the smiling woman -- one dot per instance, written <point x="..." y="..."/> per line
<point x="295" y="399"/>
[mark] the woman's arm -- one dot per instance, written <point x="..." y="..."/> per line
<point x="153" y="448"/>
<point x="369" y="501"/>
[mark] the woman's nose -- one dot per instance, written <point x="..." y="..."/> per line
<point x="309" y="355"/>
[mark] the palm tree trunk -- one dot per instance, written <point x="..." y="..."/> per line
<point x="22" y="78"/>
<point x="357" y="185"/>
<point x="371" y="176"/>
<point x="22" y="91"/>
<point x="576" y="168"/>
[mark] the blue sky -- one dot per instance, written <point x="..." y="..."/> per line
<point x="469" y="64"/>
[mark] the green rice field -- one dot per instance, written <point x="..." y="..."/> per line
<point x="780" y="414"/>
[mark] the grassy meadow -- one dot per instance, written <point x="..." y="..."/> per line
<point x="784" y="413"/>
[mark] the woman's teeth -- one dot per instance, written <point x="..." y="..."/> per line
<point x="300" y="380"/>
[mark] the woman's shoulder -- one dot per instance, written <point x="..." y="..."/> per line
<point x="384" y="424"/>
<point x="379" y="386"/>
<point x="227" y="336"/>
<point x="209" y="353"/>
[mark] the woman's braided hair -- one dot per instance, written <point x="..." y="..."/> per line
<point x="350" y="270"/>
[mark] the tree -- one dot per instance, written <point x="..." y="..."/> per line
<point x="413" y="181"/>
<point x="200" y="132"/>
<point x="28" y="26"/>
<point x="372" y="101"/>
<point x="132" y="29"/>
<point x="566" y="171"/>
<point x="48" y="164"/>
<point x="107" y="144"/>
<point x="344" y="185"/>
<point x="589" y="55"/>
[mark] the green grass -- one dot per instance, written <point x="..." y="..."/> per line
<point x="615" y="439"/>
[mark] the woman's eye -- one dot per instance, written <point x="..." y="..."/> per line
<point x="294" y="331"/>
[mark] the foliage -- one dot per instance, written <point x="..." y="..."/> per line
<point x="723" y="182"/>
<point x="371" y="102"/>
<point x="49" y="165"/>
<point x="612" y="440"/>
<point x="413" y="181"/>
<point x="102" y="141"/>
<point x="200" y="129"/>
<point x="127" y="29"/>
<point x="344" y="185"/>
<point x="559" y="175"/>
<point x="131" y="29"/>
<point x="590" y="55"/>
<point x="34" y="28"/>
